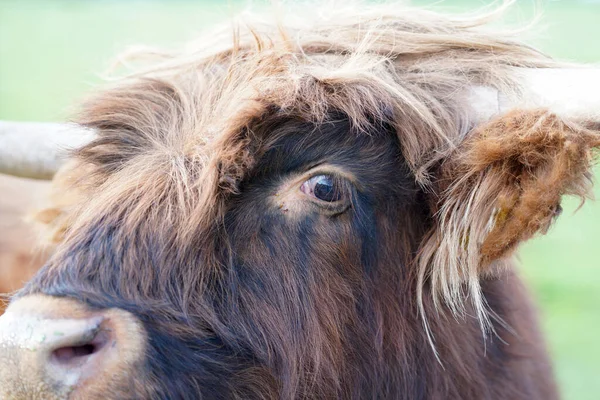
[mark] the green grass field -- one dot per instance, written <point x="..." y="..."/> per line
<point x="52" y="52"/>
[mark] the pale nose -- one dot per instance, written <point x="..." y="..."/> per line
<point x="52" y="352"/>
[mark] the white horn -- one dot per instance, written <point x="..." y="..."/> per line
<point x="568" y="92"/>
<point x="36" y="150"/>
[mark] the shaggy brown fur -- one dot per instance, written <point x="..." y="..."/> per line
<point x="500" y="187"/>
<point x="172" y="212"/>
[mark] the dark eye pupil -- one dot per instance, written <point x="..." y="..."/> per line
<point x="325" y="189"/>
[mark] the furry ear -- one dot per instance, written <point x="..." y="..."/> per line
<point x="66" y="192"/>
<point x="501" y="186"/>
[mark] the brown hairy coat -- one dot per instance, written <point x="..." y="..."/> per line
<point x="152" y="199"/>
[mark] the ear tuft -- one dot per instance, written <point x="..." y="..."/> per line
<point x="526" y="160"/>
<point x="500" y="187"/>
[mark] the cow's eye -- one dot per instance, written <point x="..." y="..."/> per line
<point x="323" y="187"/>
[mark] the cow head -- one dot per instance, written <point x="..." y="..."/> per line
<point x="293" y="213"/>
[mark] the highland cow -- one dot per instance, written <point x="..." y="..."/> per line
<point x="323" y="209"/>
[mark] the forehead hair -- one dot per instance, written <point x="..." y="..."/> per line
<point x="385" y="63"/>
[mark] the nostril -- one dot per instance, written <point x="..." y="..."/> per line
<point x="79" y="353"/>
<point x="66" y="355"/>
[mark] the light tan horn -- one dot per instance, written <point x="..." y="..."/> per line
<point x="36" y="150"/>
<point x="568" y="92"/>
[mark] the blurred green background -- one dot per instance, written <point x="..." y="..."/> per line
<point x="52" y="52"/>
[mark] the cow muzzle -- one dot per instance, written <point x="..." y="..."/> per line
<point x="57" y="348"/>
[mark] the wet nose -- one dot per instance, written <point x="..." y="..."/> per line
<point x="56" y="348"/>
